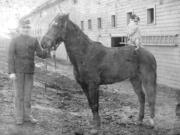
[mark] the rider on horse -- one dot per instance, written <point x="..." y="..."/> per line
<point x="134" y="34"/>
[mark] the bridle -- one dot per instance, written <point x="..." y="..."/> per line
<point x="48" y="37"/>
<point x="61" y="38"/>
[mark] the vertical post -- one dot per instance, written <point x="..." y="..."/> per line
<point x="45" y="85"/>
<point x="54" y="57"/>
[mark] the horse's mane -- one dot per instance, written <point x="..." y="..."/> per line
<point x="75" y="28"/>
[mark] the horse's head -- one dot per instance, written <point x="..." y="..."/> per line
<point x="56" y="32"/>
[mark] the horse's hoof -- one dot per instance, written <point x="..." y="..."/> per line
<point x="150" y="123"/>
<point x="94" y="132"/>
<point x="96" y="124"/>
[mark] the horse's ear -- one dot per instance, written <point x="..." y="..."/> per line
<point x="67" y="16"/>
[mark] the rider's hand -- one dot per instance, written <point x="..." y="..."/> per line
<point x="12" y="76"/>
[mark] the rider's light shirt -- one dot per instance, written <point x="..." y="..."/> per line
<point x="134" y="33"/>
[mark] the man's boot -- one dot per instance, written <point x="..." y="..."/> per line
<point x="30" y="119"/>
<point x="28" y="116"/>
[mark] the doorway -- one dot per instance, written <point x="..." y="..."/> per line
<point x="118" y="41"/>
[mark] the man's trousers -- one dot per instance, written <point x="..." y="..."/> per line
<point x="23" y="87"/>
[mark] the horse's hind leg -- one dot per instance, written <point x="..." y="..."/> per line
<point x="149" y="83"/>
<point x="137" y="85"/>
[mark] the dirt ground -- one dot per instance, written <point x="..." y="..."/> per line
<point x="62" y="108"/>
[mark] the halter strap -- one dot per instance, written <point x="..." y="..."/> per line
<point x="47" y="36"/>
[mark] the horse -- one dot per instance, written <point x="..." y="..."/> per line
<point x="95" y="65"/>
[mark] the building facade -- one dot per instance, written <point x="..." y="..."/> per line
<point x="106" y="21"/>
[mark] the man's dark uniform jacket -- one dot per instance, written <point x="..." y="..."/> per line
<point x="22" y="50"/>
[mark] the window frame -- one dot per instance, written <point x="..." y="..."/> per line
<point x="128" y="14"/>
<point x="75" y="1"/>
<point x="99" y="23"/>
<point x="82" y="25"/>
<point x="89" y="24"/>
<point x="113" y="21"/>
<point x="154" y="14"/>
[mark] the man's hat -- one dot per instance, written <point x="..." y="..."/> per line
<point x="25" y="24"/>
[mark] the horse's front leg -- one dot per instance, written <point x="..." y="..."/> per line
<point x="93" y="99"/>
<point x="92" y="92"/>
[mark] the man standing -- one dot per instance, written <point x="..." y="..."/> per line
<point x="21" y="69"/>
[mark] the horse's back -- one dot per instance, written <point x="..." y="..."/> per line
<point x="147" y="58"/>
<point x="102" y="53"/>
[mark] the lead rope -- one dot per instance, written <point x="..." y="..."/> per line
<point x="54" y="57"/>
<point x="55" y="65"/>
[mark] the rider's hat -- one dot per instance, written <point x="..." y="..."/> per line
<point x="135" y="17"/>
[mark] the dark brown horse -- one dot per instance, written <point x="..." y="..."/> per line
<point x="95" y="64"/>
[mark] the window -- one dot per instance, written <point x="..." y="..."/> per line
<point x="98" y="1"/>
<point x="128" y="17"/>
<point x="89" y="24"/>
<point x="82" y="25"/>
<point x="99" y="23"/>
<point x="75" y="1"/>
<point x="150" y="16"/>
<point x="113" y="21"/>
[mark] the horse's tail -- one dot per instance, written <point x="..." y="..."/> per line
<point x="148" y="67"/>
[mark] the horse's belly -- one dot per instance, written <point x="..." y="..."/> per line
<point x="109" y="80"/>
<point x="118" y="73"/>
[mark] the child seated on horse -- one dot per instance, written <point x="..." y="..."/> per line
<point x="134" y="34"/>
